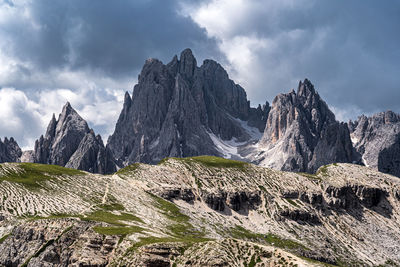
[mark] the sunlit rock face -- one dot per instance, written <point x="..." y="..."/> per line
<point x="302" y="134"/>
<point x="377" y="140"/>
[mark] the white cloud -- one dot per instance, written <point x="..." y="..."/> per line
<point x="251" y="56"/>
<point x="19" y="117"/>
<point x="26" y="118"/>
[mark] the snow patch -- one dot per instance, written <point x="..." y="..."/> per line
<point x="354" y="139"/>
<point x="154" y="143"/>
<point x="253" y="132"/>
<point x="227" y="148"/>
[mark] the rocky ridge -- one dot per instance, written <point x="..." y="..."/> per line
<point x="377" y="140"/>
<point x="302" y="134"/>
<point x="71" y="143"/>
<point x="9" y="150"/>
<point x="198" y="211"/>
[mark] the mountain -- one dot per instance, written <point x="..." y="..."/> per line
<point x="180" y="109"/>
<point x="69" y="142"/>
<point x="200" y="211"/>
<point x="9" y="150"/>
<point x="302" y="134"/>
<point x="377" y="140"/>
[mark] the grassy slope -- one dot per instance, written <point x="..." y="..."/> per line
<point x="32" y="174"/>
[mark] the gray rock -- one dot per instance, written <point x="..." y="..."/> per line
<point x="377" y="140"/>
<point x="92" y="156"/>
<point x="9" y="150"/>
<point x="175" y="108"/>
<point x="28" y="156"/>
<point x="69" y="142"/>
<point x="302" y="133"/>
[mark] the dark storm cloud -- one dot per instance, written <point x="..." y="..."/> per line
<point x="113" y="37"/>
<point x="349" y="49"/>
<point x="90" y="51"/>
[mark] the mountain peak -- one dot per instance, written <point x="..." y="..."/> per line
<point x="187" y="63"/>
<point x="66" y="144"/>
<point x="67" y="106"/>
<point x="306" y="88"/>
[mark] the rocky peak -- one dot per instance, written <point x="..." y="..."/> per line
<point x="377" y="140"/>
<point x="62" y="140"/>
<point x="175" y="108"/>
<point x="187" y="64"/>
<point x="9" y="150"/>
<point x="306" y="89"/>
<point x="51" y="128"/>
<point x="301" y="133"/>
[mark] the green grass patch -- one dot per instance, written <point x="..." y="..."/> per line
<point x="262" y="188"/>
<point x="244" y="234"/>
<point x="111" y="218"/>
<point x="310" y="176"/>
<point x="169" y="209"/>
<point x="31" y="174"/>
<point x="180" y="230"/>
<point x="3" y="238"/>
<point x="52" y="216"/>
<point x="212" y="161"/>
<point x="323" y="170"/>
<point x="291" y="201"/>
<point x="130" y="168"/>
<point x="111" y="206"/>
<point x="118" y="230"/>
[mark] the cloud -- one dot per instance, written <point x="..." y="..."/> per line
<point x="85" y="52"/>
<point x="348" y="49"/>
<point x="19" y="117"/>
<point x="26" y="119"/>
<point x="90" y="52"/>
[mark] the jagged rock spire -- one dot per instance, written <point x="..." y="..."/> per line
<point x="66" y="144"/>
<point x="9" y="150"/>
<point x="302" y="134"/>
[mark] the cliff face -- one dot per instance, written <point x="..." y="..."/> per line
<point x="377" y="140"/>
<point x="302" y="133"/>
<point x="180" y="110"/>
<point x="69" y="142"/>
<point x="9" y="150"/>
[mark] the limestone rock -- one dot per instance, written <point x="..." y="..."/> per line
<point x="9" y="150"/>
<point x="302" y="133"/>
<point x="180" y="110"/>
<point x="377" y="140"/>
<point x="69" y="142"/>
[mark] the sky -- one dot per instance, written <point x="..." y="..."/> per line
<point x="90" y="52"/>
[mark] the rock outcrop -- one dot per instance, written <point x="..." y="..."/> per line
<point x="9" y="150"/>
<point x="302" y="133"/>
<point x="180" y="110"/>
<point x="377" y="140"/>
<point x="69" y="142"/>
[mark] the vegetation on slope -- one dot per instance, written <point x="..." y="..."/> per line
<point x="211" y="161"/>
<point x="31" y="174"/>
